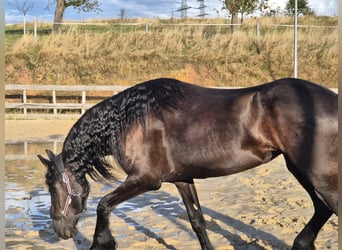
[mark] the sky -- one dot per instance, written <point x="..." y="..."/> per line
<point x="146" y="9"/>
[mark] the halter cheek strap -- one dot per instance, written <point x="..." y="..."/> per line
<point x="60" y="166"/>
<point x="71" y="193"/>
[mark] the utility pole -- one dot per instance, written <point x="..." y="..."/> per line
<point x="295" y="40"/>
<point x="202" y="8"/>
<point x="184" y="9"/>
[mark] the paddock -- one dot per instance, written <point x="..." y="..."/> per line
<point x="263" y="208"/>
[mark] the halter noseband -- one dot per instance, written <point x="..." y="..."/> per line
<point x="60" y="166"/>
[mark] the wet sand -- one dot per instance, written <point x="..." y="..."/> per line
<point x="262" y="208"/>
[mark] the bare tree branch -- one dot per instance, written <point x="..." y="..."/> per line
<point x="23" y="6"/>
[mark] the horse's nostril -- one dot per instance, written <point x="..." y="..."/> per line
<point x="68" y="233"/>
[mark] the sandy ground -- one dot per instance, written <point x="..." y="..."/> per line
<point x="36" y="129"/>
<point x="263" y="208"/>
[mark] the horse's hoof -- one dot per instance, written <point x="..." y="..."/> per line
<point x="104" y="246"/>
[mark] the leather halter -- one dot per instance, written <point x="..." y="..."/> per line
<point x="60" y="166"/>
<point x="71" y="193"/>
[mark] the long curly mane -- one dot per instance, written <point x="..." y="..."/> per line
<point x="100" y="131"/>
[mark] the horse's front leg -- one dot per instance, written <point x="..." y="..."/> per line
<point x="133" y="186"/>
<point x="103" y="238"/>
<point x="188" y="193"/>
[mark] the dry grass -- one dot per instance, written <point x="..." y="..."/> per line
<point x="205" y="55"/>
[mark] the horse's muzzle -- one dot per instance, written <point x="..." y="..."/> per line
<point x="64" y="229"/>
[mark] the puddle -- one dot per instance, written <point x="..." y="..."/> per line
<point x="244" y="210"/>
<point x="27" y="203"/>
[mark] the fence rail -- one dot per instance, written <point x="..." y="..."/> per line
<point x="26" y="104"/>
<point x="35" y="26"/>
<point x="26" y="150"/>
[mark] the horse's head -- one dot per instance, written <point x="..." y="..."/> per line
<point x="68" y="196"/>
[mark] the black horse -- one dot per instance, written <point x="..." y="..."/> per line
<point x="165" y="130"/>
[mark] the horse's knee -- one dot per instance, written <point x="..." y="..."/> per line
<point x="103" y="207"/>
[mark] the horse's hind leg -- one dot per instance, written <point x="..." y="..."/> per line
<point x="305" y="239"/>
<point x="132" y="187"/>
<point x="188" y="193"/>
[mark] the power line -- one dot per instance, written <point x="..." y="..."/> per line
<point x="202" y="8"/>
<point x="184" y="9"/>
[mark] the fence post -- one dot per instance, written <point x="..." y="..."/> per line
<point x="257" y="30"/>
<point x="25" y="147"/>
<point x="54" y="101"/>
<point x="35" y="29"/>
<point x="146" y="27"/>
<point x="83" y="101"/>
<point x="55" y="146"/>
<point x="25" y="101"/>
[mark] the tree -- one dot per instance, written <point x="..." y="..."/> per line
<point x="123" y="14"/>
<point x="302" y="8"/>
<point x="239" y="6"/>
<point x="24" y="7"/>
<point x="269" y="9"/>
<point x="248" y="7"/>
<point x="80" y="5"/>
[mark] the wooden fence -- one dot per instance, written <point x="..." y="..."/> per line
<point x="19" y="109"/>
<point x="28" y="149"/>
<point x="26" y="102"/>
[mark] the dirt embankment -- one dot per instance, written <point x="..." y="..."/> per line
<point x="206" y="55"/>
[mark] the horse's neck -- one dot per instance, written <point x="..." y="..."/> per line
<point x="89" y="136"/>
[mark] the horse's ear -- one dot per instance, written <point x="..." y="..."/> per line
<point x="46" y="162"/>
<point x="50" y="154"/>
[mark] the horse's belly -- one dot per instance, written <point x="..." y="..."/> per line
<point x="215" y="167"/>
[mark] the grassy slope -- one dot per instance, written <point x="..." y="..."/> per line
<point x="201" y="54"/>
